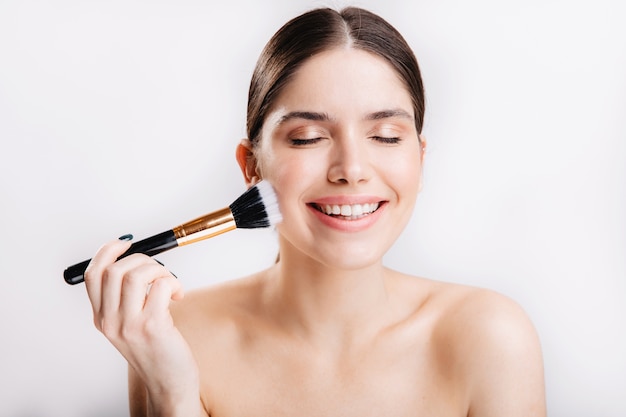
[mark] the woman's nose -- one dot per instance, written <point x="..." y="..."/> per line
<point x="349" y="161"/>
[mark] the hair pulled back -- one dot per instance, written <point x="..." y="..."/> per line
<point x="319" y="30"/>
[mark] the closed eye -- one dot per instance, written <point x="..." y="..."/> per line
<point x="304" y="142"/>
<point x="386" y="139"/>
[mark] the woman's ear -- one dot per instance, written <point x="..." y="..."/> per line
<point x="247" y="162"/>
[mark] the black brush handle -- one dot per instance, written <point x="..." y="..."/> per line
<point x="150" y="246"/>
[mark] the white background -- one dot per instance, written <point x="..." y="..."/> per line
<point x="122" y="117"/>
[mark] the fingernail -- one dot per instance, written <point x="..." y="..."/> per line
<point x="126" y="237"/>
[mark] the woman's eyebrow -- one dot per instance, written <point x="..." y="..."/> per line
<point x="324" y="117"/>
<point x="385" y="114"/>
<point x="306" y="115"/>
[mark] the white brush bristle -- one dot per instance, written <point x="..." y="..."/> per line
<point x="270" y="201"/>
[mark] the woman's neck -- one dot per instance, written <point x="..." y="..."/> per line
<point x="326" y="304"/>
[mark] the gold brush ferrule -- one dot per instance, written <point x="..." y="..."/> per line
<point x="204" y="227"/>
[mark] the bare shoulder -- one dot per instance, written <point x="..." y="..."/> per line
<point x="469" y="318"/>
<point x="457" y="307"/>
<point x="495" y="349"/>
<point x="483" y="316"/>
<point x="482" y="343"/>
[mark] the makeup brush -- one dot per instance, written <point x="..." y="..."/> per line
<point x="256" y="208"/>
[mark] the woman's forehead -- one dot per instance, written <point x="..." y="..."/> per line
<point x="343" y="79"/>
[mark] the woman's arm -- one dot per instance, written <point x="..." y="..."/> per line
<point x="137" y="395"/>
<point x="139" y="402"/>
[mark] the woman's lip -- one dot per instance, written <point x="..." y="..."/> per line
<point x="346" y="224"/>
<point x="348" y="200"/>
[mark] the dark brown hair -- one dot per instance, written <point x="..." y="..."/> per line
<point x="319" y="30"/>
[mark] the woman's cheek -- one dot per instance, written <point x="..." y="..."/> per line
<point x="295" y="169"/>
<point x="405" y="173"/>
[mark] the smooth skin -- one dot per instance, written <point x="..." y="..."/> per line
<point x="327" y="330"/>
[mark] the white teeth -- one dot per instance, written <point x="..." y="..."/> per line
<point x="348" y="210"/>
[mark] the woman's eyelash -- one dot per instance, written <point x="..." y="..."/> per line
<point x="382" y="139"/>
<point x="386" y="139"/>
<point x="303" y="142"/>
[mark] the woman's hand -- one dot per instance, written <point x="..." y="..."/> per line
<point x="130" y="300"/>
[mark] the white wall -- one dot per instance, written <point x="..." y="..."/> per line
<point x="122" y="116"/>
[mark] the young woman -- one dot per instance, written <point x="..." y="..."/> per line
<point x="335" y="116"/>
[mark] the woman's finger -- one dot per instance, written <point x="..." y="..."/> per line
<point x="105" y="256"/>
<point x="162" y="291"/>
<point x="112" y="280"/>
<point x="136" y="285"/>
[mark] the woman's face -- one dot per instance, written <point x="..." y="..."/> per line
<point x="341" y="149"/>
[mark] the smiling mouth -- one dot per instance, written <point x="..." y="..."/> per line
<point x="347" y="211"/>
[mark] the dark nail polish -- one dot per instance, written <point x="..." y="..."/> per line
<point x="162" y="264"/>
<point x="126" y="237"/>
